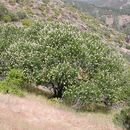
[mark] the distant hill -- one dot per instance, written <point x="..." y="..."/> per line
<point x="123" y="5"/>
<point x="119" y="4"/>
<point x="114" y="13"/>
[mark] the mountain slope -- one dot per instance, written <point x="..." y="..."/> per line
<point x="62" y="56"/>
<point x="111" y="15"/>
<point x="119" y="4"/>
<point x="58" y="11"/>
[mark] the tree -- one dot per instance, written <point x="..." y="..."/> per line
<point x="75" y="64"/>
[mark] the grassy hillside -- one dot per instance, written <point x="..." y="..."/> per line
<point x="26" y="12"/>
<point x="37" y="113"/>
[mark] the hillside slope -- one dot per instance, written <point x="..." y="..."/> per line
<point x="58" y="11"/>
<point x="64" y="59"/>
<point x="32" y="113"/>
<point x="108" y="11"/>
<point x="120" y="4"/>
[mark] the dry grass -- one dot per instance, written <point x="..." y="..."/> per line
<point x="36" y="113"/>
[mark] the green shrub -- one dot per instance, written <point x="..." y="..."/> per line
<point x="76" y="65"/>
<point x="12" y="2"/>
<point x="45" y="1"/>
<point x="49" y="19"/>
<point x="41" y="8"/>
<point x="27" y="22"/>
<point x="21" y="14"/>
<point x="17" y="75"/>
<point x="29" y="11"/>
<point x="3" y="10"/>
<point x="6" y="19"/>
<point x="13" y="83"/>
<point x="7" y="15"/>
<point x="9" y="34"/>
<point x="123" y="118"/>
<point x="128" y="47"/>
<point x="18" y="1"/>
<point x="13" y="16"/>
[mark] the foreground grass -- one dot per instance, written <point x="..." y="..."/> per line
<point x="37" y="113"/>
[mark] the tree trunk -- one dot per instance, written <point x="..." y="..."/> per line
<point x="58" y="92"/>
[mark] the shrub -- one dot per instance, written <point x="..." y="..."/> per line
<point x="13" y="83"/>
<point x="12" y="2"/>
<point x="41" y="8"/>
<point x="13" y="16"/>
<point x="6" y="15"/>
<point x="29" y="11"/>
<point x="17" y="75"/>
<point x="123" y="118"/>
<point x="128" y="47"/>
<point x="45" y="1"/>
<point x="49" y="19"/>
<point x="3" y="10"/>
<point x="76" y="65"/>
<point x="6" y="18"/>
<point x="21" y="14"/>
<point x="27" y="22"/>
<point x="8" y="35"/>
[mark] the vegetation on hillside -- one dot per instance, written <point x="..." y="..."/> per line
<point x="76" y="65"/>
<point x="7" y="15"/>
<point x="117" y="4"/>
<point x="26" y="12"/>
<point x="102" y="12"/>
<point x="123" y="118"/>
<point x="13" y="83"/>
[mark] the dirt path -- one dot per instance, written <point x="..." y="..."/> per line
<point x="29" y="114"/>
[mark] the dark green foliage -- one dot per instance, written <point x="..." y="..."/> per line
<point x="8" y="15"/>
<point x="21" y="14"/>
<point x="6" y="19"/>
<point x="27" y="22"/>
<point x="13" y="83"/>
<point x="76" y="65"/>
<point x="123" y="118"/>
<point x="45" y="1"/>
<point x="126" y="28"/>
<point x="3" y="10"/>
<point x="9" y="35"/>
<point x="13" y="16"/>
<point x="128" y="47"/>
<point x="12" y="2"/>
